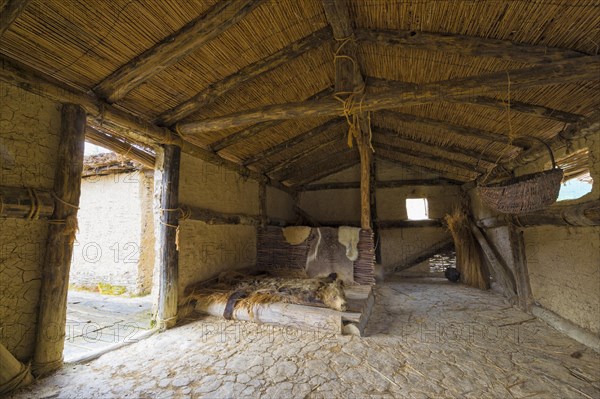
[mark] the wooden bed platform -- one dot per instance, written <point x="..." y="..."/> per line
<point x="360" y="300"/>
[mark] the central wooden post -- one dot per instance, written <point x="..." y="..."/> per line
<point x="52" y="318"/>
<point x="168" y="253"/>
<point x="364" y="148"/>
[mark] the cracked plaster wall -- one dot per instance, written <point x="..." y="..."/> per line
<point x="29" y="138"/>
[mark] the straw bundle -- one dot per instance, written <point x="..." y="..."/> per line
<point x="468" y="255"/>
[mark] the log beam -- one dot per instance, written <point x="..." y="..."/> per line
<point x="10" y="12"/>
<point x="254" y="130"/>
<point x="115" y="121"/>
<point x="211" y="217"/>
<point x="25" y="203"/>
<point x="567" y="71"/>
<point x="48" y="355"/>
<point x="95" y="136"/>
<point x="421" y="256"/>
<point x="382" y="184"/>
<point x="252" y="71"/>
<point x="582" y="214"/>
<point x="521" y="273"/>
<point x="466" y="45"/>
<point x="171" y="49"/>
<point x="446" y="149"/>
<point x="389" y="156"/>
<point x="534" y="110"/>
<point x="168" y="255"/>
<point x="314" y="132"/>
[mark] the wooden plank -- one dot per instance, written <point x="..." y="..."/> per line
<point x="168" y="253"/>
<point x="517" y="245"/>
<point x="421" y="256"/>
<point x="502" y="274"/>
<point x="534" y="110"/>
<point x="466" y="45"/>
<point x="25" y="203"/>
<point x="582" y="214"/>
<point x="358" y="321"/>
<point x="301" y="317"/>
<point x="252" y="71"/>
<point x="116" y="121"/>
<point x="560" y="72"/>
<point x="52" y="316"/>
<point x="467" y="132"/>
<point x="447" y="148"/>
<point x="97" y="137"/>
<point x="10" y="12"/>
<point x="314" y="132"/>
<point x="171" y="49"/>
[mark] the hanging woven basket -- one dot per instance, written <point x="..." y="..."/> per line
<point x="524" y="194"/>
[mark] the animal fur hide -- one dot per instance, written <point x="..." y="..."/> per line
<point x="349" y="237"/>
<point x="296" y="235"/>
<point x="326" y="255"/>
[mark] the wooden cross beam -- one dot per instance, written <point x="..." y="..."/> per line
<point x="253" y="130"/>
<point x="391" y="156"/>
<point x="334" y="165"/>
<point x="567" y="71"/>
<point x="10" y="12"/>
<point x="466" y="45"/>
<point x="252" y="71"/>
<point x="288" y="169"/>
<point x="170" y="50"/>
<point x="316" y="131"/>
<point x="96" y="136"/>
<point x="489" y="102"/>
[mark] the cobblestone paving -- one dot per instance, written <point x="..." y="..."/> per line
<point x="427" y="339"/>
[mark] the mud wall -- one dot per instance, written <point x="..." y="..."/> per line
<point x="280" y="204"/>
<point x="29" y="137"/>
<point x="397" y="244"/>
<point x="206" y="250"/>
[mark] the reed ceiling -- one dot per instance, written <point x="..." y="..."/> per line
<point x="86" y="44"/>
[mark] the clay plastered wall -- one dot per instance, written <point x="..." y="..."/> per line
<point x="206" y="250"/>
<point x="280" y="204"/>
<point x="209" y="186"/>
<point x="564" y="272"/>
<point x="29" y="137"/>
<point x="397" y="245"/>
<point x="391" y="202"/>
<point x="107" y="248"/>
<point x="332" y="205"/>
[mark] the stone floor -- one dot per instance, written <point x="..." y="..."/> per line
<point x="427" y="339"/>
<point x="96" y="322"/>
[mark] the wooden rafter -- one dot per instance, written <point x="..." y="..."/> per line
<point x="96" y="136"/>
<point x="331" y="167"/>
<point x="10" y="12"/>
<point x="252" y="71"/>
<point x="440" y="125"/>
<point x="253" y="130"/>
<point x="170" y="50"/>
<point x="316" y="160"/>
<point x="382" y="184"/>
<point x="316" y="131"/>
<point x="489" y="102"/>
<point x="299" y="156"/>
<point x="446" y="147"/>
<point x="442" y="159"/>
<point x="390" y="156"/>
<point x="289" y="168"/>
<point x="466" y="45"/>
<point x="566" y="71"/>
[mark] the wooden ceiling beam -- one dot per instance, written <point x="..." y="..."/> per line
<point x="380" y="153"/>
<point x="331" y="166"/>
<point x="441" y="159"/>
<point x="171" y="49"/>
<point x="10" y="12"/>
<point x="252" y="71"/>
<point x="316" y="131"/>
<point x="466" y="45"/>
<point x="285" y="168"/>
<point x="385" y="131"/>
<point x="253" y="130"/>
<point x="567" y="71"/>
<point x="467" y="132"/>
<point x="488" y="102"/>
<point x="111" y="119"/>
<point x="96" y="136"/>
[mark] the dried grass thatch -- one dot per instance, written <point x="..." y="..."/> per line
<point x="468" y="255"/>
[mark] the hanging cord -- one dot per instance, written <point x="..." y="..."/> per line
<point x="70" y="222"/>
<point x="184" y="213"/>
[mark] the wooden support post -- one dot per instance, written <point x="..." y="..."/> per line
<point x="364" y="148"/>
<point x="168" y="251"/>
<point x="517" y="245"/>
<point x="373" y="206"/>
<point x="262" y="203"/>
<point x="422" y="256"/>
<point x="13" y="373"/>
<point x="52" y="317"/>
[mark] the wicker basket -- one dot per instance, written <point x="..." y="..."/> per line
<point x="523" y="194"/>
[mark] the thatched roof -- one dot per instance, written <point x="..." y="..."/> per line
<point x="169" y="61"/>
